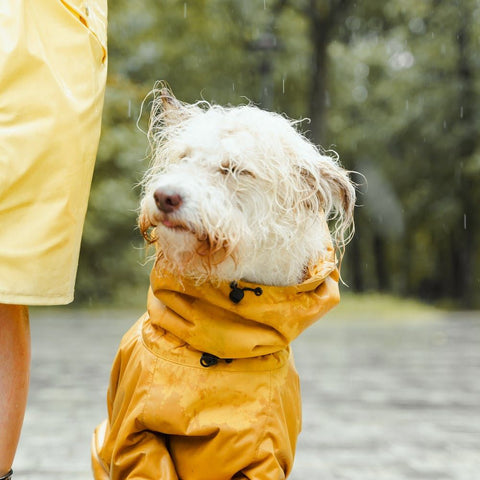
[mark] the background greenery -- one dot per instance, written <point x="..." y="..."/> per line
<point x="393" y="86"/>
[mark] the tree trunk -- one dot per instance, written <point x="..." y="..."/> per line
<point x="381" y="263"/>
<point x="465" y="228"/>
<point x="354" y="256"/>
<point x="324" y="16"/>
<point x="318" y="87"/>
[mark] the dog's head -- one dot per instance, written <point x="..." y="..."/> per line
<point x="238" y="193"/>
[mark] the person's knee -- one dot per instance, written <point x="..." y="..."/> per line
<point x="14" y="325"/>
<point x="13" y="313"/>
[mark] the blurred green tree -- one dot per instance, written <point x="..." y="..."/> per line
<point x="392" y="86"/>
<point x="404" y="98"/>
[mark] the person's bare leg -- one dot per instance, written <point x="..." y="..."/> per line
<point x="14" y="379"/>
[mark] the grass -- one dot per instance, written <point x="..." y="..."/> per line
<point x="377" y="306"/>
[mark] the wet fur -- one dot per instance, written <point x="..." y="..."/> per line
<point x="256" y="194"/>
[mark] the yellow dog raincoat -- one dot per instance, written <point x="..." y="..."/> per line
<point x="204" y="386"/>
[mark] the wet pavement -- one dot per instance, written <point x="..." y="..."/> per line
<point x="383" y="399"/>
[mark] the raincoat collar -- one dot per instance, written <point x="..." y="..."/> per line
<point x="205" y="317"/>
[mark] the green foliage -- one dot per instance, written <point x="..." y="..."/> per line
<point x="400" y="94"/>
<point x="401" y="107"/>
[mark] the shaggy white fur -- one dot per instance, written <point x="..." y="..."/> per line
<point x="238" y="193"/>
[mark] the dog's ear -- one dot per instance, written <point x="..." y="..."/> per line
<point x="334" y="194"/>
<point x="173" y="110"/>
<point x="166" y="109"/>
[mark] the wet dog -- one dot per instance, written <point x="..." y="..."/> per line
<point x="238" y="193"/>
<point x="246" y="215"/>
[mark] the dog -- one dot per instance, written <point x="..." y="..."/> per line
<point x="249" y="220"/>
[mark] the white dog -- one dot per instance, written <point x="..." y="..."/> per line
<point x="238" y="193"/>
<point x="238" y="204"/>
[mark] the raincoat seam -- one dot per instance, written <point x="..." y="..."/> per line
<point x="265" y="419"/>
<point x="142" y="416"/>
<point x="84" y="23"/>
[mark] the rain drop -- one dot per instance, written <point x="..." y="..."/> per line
<point x="461" y="111"/>
<point x="464" y="221"/>
<point x="129" y="109"/>
<point x="185" y="10"/>
<point x="283" y="85"/>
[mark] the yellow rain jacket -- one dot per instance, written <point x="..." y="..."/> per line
<point x="203" y="388"/>
<point x="52" y="80"/>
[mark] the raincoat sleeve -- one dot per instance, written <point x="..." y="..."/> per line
<point x="131" y="460"/>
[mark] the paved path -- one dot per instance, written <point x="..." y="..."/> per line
<point x="383" y="399"/>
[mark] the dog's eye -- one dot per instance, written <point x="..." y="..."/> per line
<point x="226" y="169"/>
<point x="232" y="169"/>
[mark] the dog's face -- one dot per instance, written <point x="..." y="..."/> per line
<point x="238" y="193"/>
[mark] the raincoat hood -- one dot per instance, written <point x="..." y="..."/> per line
<point x="207" y="319"/>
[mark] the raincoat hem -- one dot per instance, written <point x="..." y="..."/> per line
<point x="38" y="300"/>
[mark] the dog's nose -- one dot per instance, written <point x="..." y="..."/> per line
<point x="167" y="203"/>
